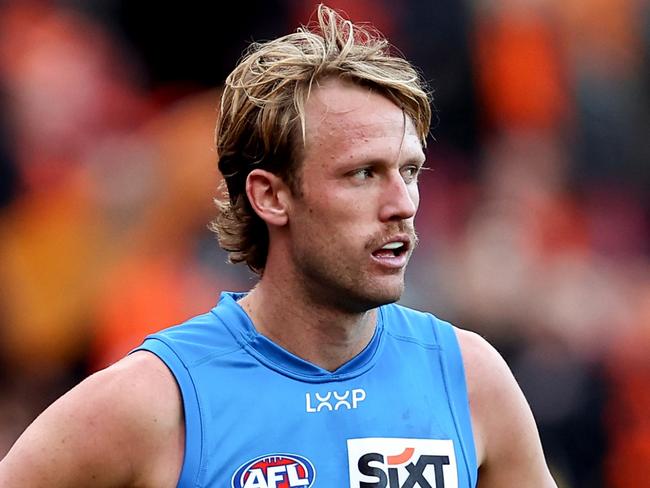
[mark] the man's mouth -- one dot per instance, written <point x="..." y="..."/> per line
<point x="392" y="249"/>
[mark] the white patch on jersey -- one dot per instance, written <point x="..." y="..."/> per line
<point x="384" y="462"/>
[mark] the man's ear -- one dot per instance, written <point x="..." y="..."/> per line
<point x="268" y="195"/>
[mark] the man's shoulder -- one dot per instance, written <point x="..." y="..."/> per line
<point x="486" y="371"/>
<point x="421" y="326"/>
<point x="403" y="314"/>
<point x="502" y="421"/>
<point x="507" y="443"/>
<point x="477" y="351"/>
<point x="121" y="425"/>
<point x="192" y="326"/>
<point x="137" y="400"/>
<point x="135" y="380"/>
<point x="218" y="329"/>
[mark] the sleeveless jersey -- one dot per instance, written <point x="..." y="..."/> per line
<point x="257" y="416"/>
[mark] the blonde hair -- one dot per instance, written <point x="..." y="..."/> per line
<point x="262" y="119"/>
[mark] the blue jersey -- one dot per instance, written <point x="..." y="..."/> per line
<point x="257" y="416"/>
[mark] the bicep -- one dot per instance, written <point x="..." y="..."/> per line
<point x="508" y="443"/>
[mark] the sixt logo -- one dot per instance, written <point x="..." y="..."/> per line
<point x="333" y="400"/>
<point x="402" y="463"/>
<point x="275" y="471"/>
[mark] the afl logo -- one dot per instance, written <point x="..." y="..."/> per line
<point x="275" y="471"/>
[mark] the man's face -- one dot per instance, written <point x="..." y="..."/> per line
<point x="351" y="223"/>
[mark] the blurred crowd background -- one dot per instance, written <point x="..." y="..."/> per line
<point x="534" y="221"/>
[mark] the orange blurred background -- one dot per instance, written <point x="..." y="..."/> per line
<point x="534" y="223"/>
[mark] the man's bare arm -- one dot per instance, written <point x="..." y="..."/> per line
<point x="120" y="427"/>
<point x="508" y="448"/>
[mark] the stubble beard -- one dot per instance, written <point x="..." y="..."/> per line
<point x="343" y="289"/>
<point x="336" y="282"/>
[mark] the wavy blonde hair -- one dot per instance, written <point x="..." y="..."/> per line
<point x="262" y="119"/>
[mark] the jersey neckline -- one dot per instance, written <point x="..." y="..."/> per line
<point x="274" y="356"/>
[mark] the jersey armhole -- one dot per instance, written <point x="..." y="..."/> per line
<point x="191" y="409"/>
<point x="454" y="370"/>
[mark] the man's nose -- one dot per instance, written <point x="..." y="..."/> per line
<point x="400" y="199"/>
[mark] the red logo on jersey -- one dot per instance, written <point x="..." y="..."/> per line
<point x="275" y="471"/>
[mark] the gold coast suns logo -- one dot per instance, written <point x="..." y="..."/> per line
<point x="382" y="462"/>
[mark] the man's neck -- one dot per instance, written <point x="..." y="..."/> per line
<point x="315" y="332"/>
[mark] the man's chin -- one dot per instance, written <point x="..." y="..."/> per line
<point x="369" y="299"/>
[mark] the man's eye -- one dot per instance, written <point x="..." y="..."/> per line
<point x="410" y="173"/>
<point x="362" y="173"/>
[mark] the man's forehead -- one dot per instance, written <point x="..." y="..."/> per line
<point x="336" y="94"/>
<point x="337" y="104"/>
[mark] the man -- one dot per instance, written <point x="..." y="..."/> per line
<point x="315" y="377"/>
